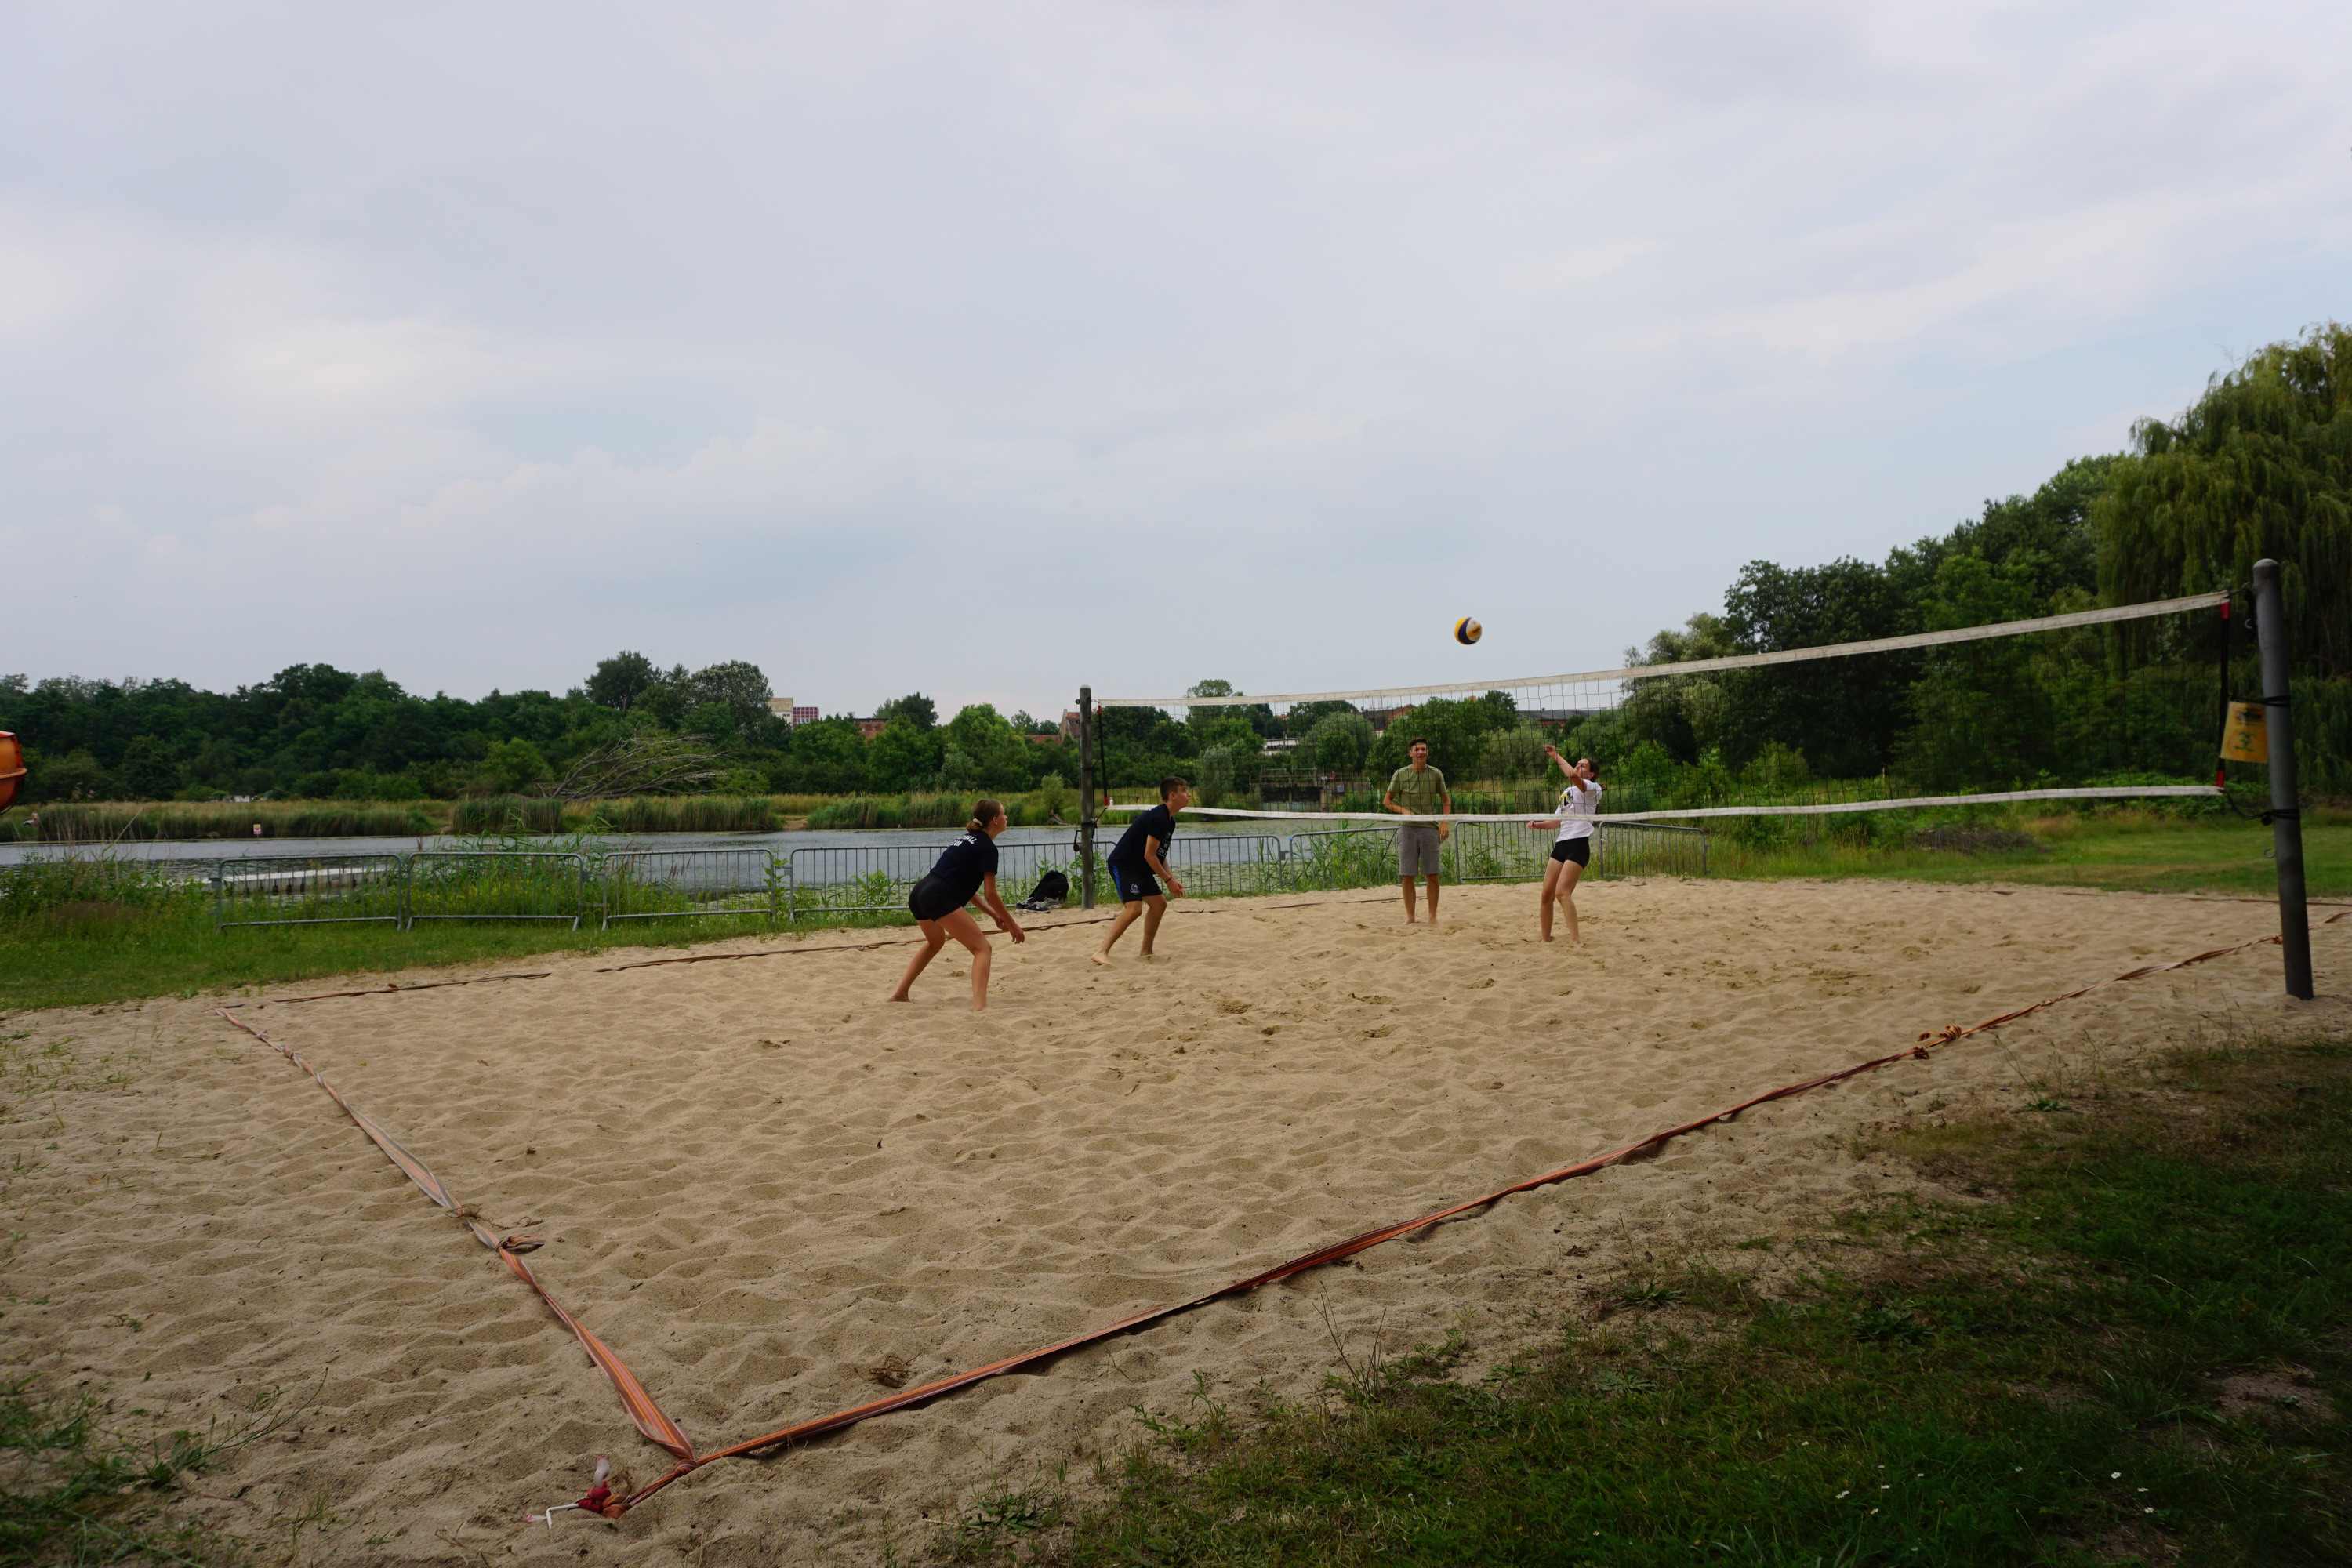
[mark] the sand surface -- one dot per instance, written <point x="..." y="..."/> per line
<point x="760" y="1184"/>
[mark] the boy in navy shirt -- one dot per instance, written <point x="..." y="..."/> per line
<point x="1138" y="860"/>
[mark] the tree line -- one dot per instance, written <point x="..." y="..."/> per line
<point x="2260" y="465"/>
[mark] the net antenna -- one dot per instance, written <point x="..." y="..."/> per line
<point x="2110" y="703"/>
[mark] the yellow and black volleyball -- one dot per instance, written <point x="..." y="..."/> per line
<point x="1466" y="630"/>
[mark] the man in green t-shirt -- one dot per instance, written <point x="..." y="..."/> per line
<point x="1418" y="790"/>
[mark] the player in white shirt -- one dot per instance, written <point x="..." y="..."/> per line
<point x="1579" y="803"/>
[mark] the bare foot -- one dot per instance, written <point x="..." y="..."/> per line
<point x="980" y="1006"/>
<point x="1101" y="958"/>
<point x="898" y="996"/>
<point x="1147" y="955"/>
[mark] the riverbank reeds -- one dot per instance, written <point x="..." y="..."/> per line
<point x="1034" y="809"/>
<point x="104" y="822"/>
<point x="680" y="814"/>
<point x="507" y="813"/>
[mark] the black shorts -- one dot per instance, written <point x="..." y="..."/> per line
<point x="934" y="899"/>
<point x="1576" y="850"/>
<point x="1129" y="883"/>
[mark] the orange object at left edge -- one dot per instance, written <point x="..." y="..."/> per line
<point x="12" y="767"/>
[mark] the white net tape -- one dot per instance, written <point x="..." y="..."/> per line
<point x="1699" y="665"/>
<point x="2140" y="792"/>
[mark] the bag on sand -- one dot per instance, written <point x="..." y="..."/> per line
<point x="1051" y="891"/>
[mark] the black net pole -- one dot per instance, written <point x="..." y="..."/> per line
<point x="1086" y="796"/>
<point x="2286" y="821"/>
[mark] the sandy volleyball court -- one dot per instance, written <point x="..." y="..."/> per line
<point x="772" y="1193"/>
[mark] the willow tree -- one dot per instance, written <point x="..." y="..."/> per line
<point x="2260" y="465"/>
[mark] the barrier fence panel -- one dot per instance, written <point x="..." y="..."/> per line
<point x="861" y="884"/>
<point x="1649" y="849"/>
<point x="309" y="889"/>
<point x="684" y="884"/>
<point x="869" y="883"/>
<point x="1343" y="857"/>
<point x="497" y="885"/>
<point x="1510" y="852"/>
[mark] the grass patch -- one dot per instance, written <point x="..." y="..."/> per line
<point x="2135" y="1352"/>
<point x="72" y="1492"/>
<point x="2125" y="852"/>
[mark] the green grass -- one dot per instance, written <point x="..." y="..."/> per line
<point x="102" y="953"/>
<point x="2132" y="851"/>
<point x="74" y="1492"/>
<point x="2130" y="1348"/>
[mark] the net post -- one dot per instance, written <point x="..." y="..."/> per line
<point x="1086" y="796"/>
<point x="2287" y="823"/>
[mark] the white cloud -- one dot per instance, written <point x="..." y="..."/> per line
<point x="475" y="345"/>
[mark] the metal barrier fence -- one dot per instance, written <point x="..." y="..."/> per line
<point x="1508" y="852"/>
<point x="497" y="885"/>
<point x="688" y="884"/>
<point x="1342" y="857"/>
<point x="861" y="884"/>
<point x="310" y="890"/>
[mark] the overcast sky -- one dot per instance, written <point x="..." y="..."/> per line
<point x="986" y="349"/>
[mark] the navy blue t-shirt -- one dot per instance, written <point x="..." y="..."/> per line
<point x="1158" y="822"/>
<point x="964" y="865"/>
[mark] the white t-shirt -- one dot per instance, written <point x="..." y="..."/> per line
<point x="1578" y="804"/>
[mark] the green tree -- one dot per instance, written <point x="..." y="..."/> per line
<point x="915" y="707"/>
<point x="905" y="755"/>
<point x="1340" y="742"/>
<point x="1513" y="755"/>
<point x="621" y="680"/>
<point x="147" y="771"/>
<point x="2260" y="466"/>
<point x="994" y="756"/>
<point x="513" y="766"/>
<point x="828" y="756"/>
<point x="739" y="687"/>
<point x="1216" y="774"/>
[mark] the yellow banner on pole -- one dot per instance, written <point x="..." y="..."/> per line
<point x="2246" y="737"/>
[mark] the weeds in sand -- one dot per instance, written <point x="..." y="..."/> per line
<point x="71" y="1493"/>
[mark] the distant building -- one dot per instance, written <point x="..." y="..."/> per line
<point x="869" y="728"/>
<point x="783" y="708"/>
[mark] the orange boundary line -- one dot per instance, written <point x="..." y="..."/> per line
<point x="644" y="1412"/>
<point x="805" y="1430"/>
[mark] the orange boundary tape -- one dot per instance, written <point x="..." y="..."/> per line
<point x="805" y="1430"/>
<point x="643" y="1411"/>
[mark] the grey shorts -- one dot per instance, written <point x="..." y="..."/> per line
<point x="1417" y="849"/>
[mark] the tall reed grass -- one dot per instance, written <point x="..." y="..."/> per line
<point x="508" y="814"/>
<point x="682" y="814"/>
<point x="1034" y="809"/>
<point x="105" y="822"/>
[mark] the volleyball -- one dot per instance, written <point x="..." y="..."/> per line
<point x="1466" y="630"/>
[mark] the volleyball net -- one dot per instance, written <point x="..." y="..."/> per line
<point x="2115" y="703"/>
